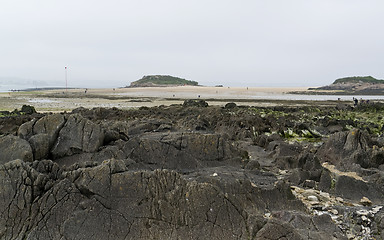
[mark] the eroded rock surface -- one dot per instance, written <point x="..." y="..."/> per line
<point x="191" y="172"/>
<point x="12" y="148"/>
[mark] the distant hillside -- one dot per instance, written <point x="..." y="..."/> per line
<point x="358" y="85"/>
<point x="162" y="81"/>
<point x="366" y="79"/>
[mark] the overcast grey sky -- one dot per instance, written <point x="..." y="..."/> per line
<point x="234" y="43"/>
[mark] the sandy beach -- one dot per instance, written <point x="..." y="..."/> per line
<point x="124" y="98"/>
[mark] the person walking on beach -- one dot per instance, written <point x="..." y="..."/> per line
<point x="355" y="101"/>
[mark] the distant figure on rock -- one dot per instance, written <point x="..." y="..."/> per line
<point x="355" y="102"/>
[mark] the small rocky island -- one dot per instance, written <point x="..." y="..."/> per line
<point x="193" y="171"/>
<point x="366" y="85"/>
<point x="162" y="81"/>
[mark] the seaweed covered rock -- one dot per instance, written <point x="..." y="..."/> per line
<point x="27" y="109"/>
<point x="195" y="103"/>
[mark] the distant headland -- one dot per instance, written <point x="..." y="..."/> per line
<point x="162" y="81"/>
<point x="357" y="85"/>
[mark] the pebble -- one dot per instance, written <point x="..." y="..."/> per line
<point x="339" y="199"/>
<point x="334" y="218"/>
<point x="309" y="183"/>
<point x="334" y="211"/>
<point x="325" y="195"/>
<point x="297" y="189"/>
<point x="376" y="209"/>
<point x="312" y="198"/>
<point x="365" y="201"/>
<point x="320" y="203"/>
<point x="362" y="212"/>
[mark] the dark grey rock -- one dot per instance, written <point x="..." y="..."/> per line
<point x="186" y="173"/>
<point x="180" y="150"/>
<point x="40" y="145"/>
<point x="276" y="230"/>
<point x="12" y="147"/>
<point x="39" y="201"/>
<point x="115" y="130"/>
<point x="309" y="227"/>
<point x="195" y="103"/>
<point x="252" y="165"/>
<point x="230" y="105"/>
<point x="77" y="135"/>
<point x="344" y="149"/>
<point x="25" y="131"/>
<point x="51" y="125"/>
<point x="27" y="109"/>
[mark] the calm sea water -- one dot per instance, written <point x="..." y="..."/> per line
<point x="317" y="97"/>
<point x="7" y="88"/>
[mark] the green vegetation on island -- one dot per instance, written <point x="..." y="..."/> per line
<point x="357" y="85"/>
<point x="365" y="79"/>
<point x="162" y="81"/>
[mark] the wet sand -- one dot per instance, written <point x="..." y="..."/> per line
<point x="61" y="100"/>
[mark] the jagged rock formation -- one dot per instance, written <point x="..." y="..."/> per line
<point x="190" y="172"/>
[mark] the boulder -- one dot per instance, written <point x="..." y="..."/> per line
<point x="25" y="131"/>
<point x="49" y="203"/>
<point x="31" y="193"/>
<point x="303" y="226"/>
<point x="230" y="105"/>
<point x="350" y="186"/>
<point x="27" y="109"/>
<point x="252" y="165"/>
<point x="142" y="126"/>
<point x="286" y="155"/>
<point x="195" y="103"/>
<point x="12" y="147"/>
<point x="343" y="149"/>
<point x="77" y="135"/>
<point x="9" y="125"/>
<point x="50" y="125"/>
<point x="180" y="150"/>
<point x="276" y="230"/>
<point x="115" y="130"/>
<point x="40" y="145"/>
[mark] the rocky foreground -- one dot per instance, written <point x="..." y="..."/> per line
<point x="193" y="172"/>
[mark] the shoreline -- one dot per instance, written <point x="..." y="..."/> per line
<point x="59" y="100"/>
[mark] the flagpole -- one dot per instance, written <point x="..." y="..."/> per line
<point x="66" y="82"/>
